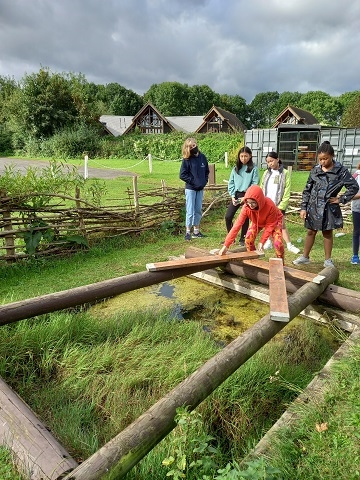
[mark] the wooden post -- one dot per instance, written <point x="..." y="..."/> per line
<point x="136" y="194"/>
<point x="80" y="215"/>
<point x="226" y="159"/>
<point x="150" y="162"/>
<point x="86" y="160"/>
<point x="125" y="450"/>
<point x="212" y="174"/>
<point x="279" y="309"/>
<point x="9" y="239"/>
<point x="34" y="449"/>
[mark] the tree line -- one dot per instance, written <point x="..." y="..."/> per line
<point x="45" y="103"/>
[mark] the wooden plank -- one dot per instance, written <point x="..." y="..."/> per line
<point x="34" y="449"/>
<point x="289" y="272"/>
<point x="202" y="262"/>
<point x="279" y="308"/>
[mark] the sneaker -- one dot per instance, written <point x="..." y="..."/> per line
<point x="329" y="263"/>
<point x="293" y="249"/>
<point x="355" y="260"/>
<point x="198" y="235"/>
<point x="241" y="242"/>
<point x="268" y="244"/>
<point x="188" y="236"/>
<point x="301" y="260"/>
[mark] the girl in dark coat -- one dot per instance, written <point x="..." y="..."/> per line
<point x="320" y="201"/>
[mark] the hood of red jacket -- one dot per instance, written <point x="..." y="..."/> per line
<point x="255" y="193"/>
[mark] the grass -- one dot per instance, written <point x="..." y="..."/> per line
<point x="98" y="374"/>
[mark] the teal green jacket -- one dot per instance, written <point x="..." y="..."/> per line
<point x="240" y="182"/>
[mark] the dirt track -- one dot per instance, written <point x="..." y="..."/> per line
<point x="22" y="165"/>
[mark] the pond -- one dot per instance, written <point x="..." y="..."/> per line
<point x="224" y="313"/>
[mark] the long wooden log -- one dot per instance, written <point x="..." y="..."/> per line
<point x="121" y="453"/>
<point x="52" y="302"/>
<point x="34" y="449"/>
<point x="336" y="296"/>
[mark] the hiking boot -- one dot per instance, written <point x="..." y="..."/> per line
<point x="355" y="260"/>
<point x="301" y="260"/>
<point x="292" y="248"/>
<point x="329" y="263"/>
<point x="188" y="236"/>
<point x="198" y="235"/>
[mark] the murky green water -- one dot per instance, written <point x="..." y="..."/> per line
<point x="225" y="313"/>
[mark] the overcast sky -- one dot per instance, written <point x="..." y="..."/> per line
<point x="234" y="46"/>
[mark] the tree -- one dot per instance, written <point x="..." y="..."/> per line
<point x="262" y="109"/>
<point x="201" y="99"/>
<point x="326" y="109"/>
<point x="44" y="104"/>
<point x="351" y="115"/>
<point x="285" y="99"/>
<point x="236" y="105"/>
<point x="170" y="98"/>
<point x="121" y="101"/>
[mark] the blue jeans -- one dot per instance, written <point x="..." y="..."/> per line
<point x="194" y="201"/>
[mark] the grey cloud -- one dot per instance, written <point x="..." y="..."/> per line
<point x="234" y="46"/>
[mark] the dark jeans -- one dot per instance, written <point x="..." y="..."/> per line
<point x="230" y="214"/>
<point x="356" y="232"/>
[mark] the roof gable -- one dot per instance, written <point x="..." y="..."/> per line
<point x="219" y="120"/>
<point x="150" y="120"/>
<point x="295" y="116"/>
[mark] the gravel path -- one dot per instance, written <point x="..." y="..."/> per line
<point x="22" y="165"/>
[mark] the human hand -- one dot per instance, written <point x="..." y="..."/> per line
<point x="334" y="200"/>
<point x="260" y="248"/>
<point x="303" y="214"/>
<point x="222" y="250"/>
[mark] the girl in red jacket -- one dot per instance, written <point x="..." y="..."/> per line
<point x="263" y="215"/>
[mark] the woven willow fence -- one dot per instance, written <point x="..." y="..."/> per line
<point x="68" y="223"/>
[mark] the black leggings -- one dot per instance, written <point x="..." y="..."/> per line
<point x="230" y="214"/>
<point x="356" y="232"/>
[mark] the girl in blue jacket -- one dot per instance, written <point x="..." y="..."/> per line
<point x="194" y="171"/>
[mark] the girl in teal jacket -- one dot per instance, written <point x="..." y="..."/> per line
<point x="242" y="176"/>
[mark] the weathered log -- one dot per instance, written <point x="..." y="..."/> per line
<point x="51" y="302"/>
<point x="121" y="453"/>
<point x="36" y="453"/>
<point x="334" y="295"/>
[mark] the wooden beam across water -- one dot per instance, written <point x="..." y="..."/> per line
<point x="334" y="295"/>
<point x="279" y="308"/>
<point x="207" y="261"/>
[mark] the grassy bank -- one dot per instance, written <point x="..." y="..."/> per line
<point x="87" y="377"/>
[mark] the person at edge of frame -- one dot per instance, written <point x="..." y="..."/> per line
<point x="320" y="205"/>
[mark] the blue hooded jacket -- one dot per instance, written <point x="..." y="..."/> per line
<point x="194" y="171"/>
